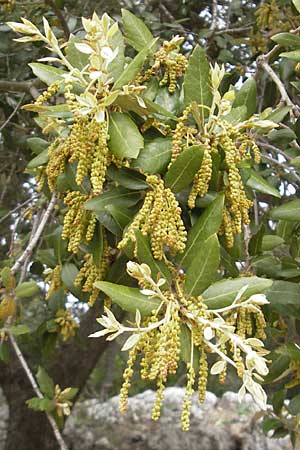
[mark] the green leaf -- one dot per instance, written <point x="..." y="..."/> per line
<point x="39" y="160"/>
<point x="293" y="55"/>
<point x="116" y="196"/>
<point x="255" y="244"/>
<point x="289" y="211"/>
<point x="154" y="107"/>
<point x="294" y="405"/>
<point x="27" y="289"/>
<point x="107" y="220"/>
<point x="203" y="268"/>
<point x="271" y="424"/>
<point x="182" y="171"/>
<point x="296" y="3"/>
<point x="277" y="368"/>
<point x="18" y="330"/>
<point x="59" y="111"/>
<point x="208" y="224"/>
<point x="136" y="32"/>
<point x="134" y="67"/>
<point x="4" y="352"/>
<point x="8" y="280"/>
<point x="295" y="162"/>
<point x="144" y="254"/>
<point x="37" y="145"/>
<point x="278" y="400"/>
<point x="74" y="56"/>
<point x="284" y="293"/>
<point x="168" y="102"/>
<point x="237" y="114"/>
<point x="197" y="81"/>
<point x="282" y="136"/>
<point x="222" y="293"/>
<point x="270" y="241"/>
<point x="185" y="347"/>
<point x="228" y="262"/>
<point x="130" y="179"/>
<point x="68" y="274"/>
<point x="129" y="299"/>
<point x="155" y="156"/>
<point x="125" y="137"/>
<point x="70" y="393"/>
<point x="246" y="96"/>
<point x="279" y="114"/>
<point x="45" y="382"/>
<point x="47" y="74"/>
<point x="41" y="404"/>
<point x="287" y="39"/>
<point x="121" y="215"/>
<point x="258" y="183"/>
<point x="116" y="66"/>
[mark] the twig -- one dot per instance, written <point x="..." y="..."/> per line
<point x="29" y="87"/>
<point x="36" y="389"/>
<point x="284" y="166"/>
<point x="214" y="13"/>
<point x="16" y="209"/>
<point x="262" y="61"/>
<point x="275" y="149"/>
<point x="13" y="113"/>
<point x="33" y="242"/>
<point x="33" y="231"/>
<point x="60" y="17"/>
<point x="7" y="183"/>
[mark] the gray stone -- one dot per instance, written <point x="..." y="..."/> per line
<point x="218" y="424"/>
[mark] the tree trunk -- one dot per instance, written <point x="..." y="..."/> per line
<point x="71" y="367"/>
<point x="27" y="429"/>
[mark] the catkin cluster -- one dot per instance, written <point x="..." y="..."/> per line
<point x="182" y="134"/>
<point x="91" y="272"/>
<point x="54" y="278"/>
<point x="159" y="218"/>
<point x="233" y="146"/>
<point x="86" y="145"/>
<point x="158" y="349"/>
<point x="79" y="224"/>
<point x="67" y="325"/>
<point x="168" y="65"/>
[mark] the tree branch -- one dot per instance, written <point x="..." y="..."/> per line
<point x="30" y="87"/>
<point x="36" y="389"/>
<point x="33" y="242"/>
<point x="60" y="17"/>
<point x="214" y="13"/>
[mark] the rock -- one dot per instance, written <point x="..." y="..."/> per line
<point x="218" y="424"/>
<point x="3" y="420"/>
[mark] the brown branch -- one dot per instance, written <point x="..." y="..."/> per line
<point x="60" y="17"/>
<point x="33" y="242"/>
<point x="29" y="87"/>
<point x="36" y="389"/>
<point x="214" y="14"/>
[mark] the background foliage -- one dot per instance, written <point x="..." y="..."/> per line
<point x="253" y="40"/>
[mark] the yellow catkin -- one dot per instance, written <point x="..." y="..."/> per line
<point x="67" y="325"/>
<point x="202" y="178"/>
<point x="187" y="403"/>
<point x="91" y="272"/>
<point x="203" y="374"/>
<point x="160" y="219"/>
<point x="168" y="65"/>
<point x="79" y="224"/>
<point x="55" y="281"/>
